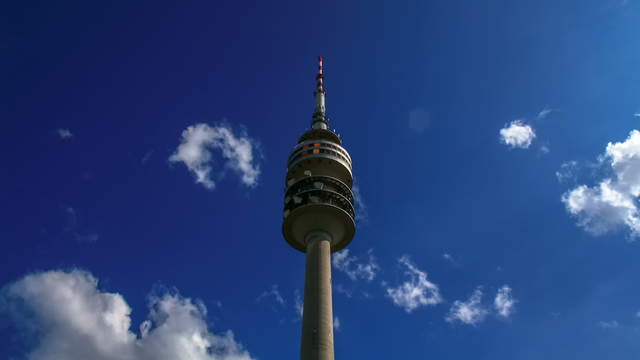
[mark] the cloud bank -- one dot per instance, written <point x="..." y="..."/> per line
<point x="613" y="202"/>
<point x="238" y="151"/>
<point x="77" y="321"/>
<point x="517" y="134"/>
<point x="416" y="291"/>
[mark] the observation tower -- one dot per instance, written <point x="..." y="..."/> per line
<point x="319" y="219"/>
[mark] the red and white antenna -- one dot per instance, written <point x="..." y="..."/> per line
<point x="320" y="77"/>
<point x="319" y="114"/>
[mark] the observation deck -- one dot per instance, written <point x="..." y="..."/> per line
<point x="318" y="192"/>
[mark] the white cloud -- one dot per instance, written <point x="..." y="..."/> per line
<point x="636" y="114"/>
<point x="504" y="302"/>
<point x="274" y="293"/>
<point x="470" y="312"/>
<point x="238" y="151"/>
<point x="608" y="324"/>
<point x="336" y="323"/>
<point x="77" y="321"/>
<point x="613" y="202"/>
<point x="64" y="133"/>
<point x="419" y="120"/>
<point x="416" y="291"/>
<point x="517" y="134"/>
<point x="352" y="268"/>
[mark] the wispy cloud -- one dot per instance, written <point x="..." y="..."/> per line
<point x="336" y="323"/>
<point x="362" y="214"/>
<point x="613" y="202"/>
<point x="544" y="149"/>
<point x="449" y="258"/>
<point x="416" y="291"/>
<point x="419" y="120"/>
<point x="504" y="302"/>
<point x="64" y="134"/>
<point x="298" y="305"/>
<point x="608" y="324"/>
<point x="340" y="289"/>
<point x="146" y="157"/>
<point x="77" y="321"/>
<point x="517" y="134"/>
<point x="544" y="113"/>
<point x="273" y="293"/>
<point x="238" y="151"/>
<point x="354" y="269"/>
<point x="73" y="227"/>
<point x="567" y="171"/>
<point x="470" y="312"/>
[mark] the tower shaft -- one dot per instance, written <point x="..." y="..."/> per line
<point x="317" y="317"/>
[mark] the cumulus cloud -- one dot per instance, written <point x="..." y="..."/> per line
<point x="613" y="202"/>
<point x="64" y="134"/>
<point x="78" y="321"/>
<point x="504" y="302"/>
<point x="352" y="268"/>
<point x="238" y="151"/>
<point x="517" y="134"/>
<point x="416" y="291"/>
<point x="470" y="312"/>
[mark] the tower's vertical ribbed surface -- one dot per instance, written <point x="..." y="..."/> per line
<point x="317" y="317"/>
<point x="319" y="218"/>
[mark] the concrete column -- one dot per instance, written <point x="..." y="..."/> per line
<point x="317" y="318"/>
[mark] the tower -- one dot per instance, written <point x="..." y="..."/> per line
<point x="319" y="219"/>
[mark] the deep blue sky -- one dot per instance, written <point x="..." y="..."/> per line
<point x="126" y="78"/>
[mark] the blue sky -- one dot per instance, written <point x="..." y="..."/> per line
<point x="494" y="145"/>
